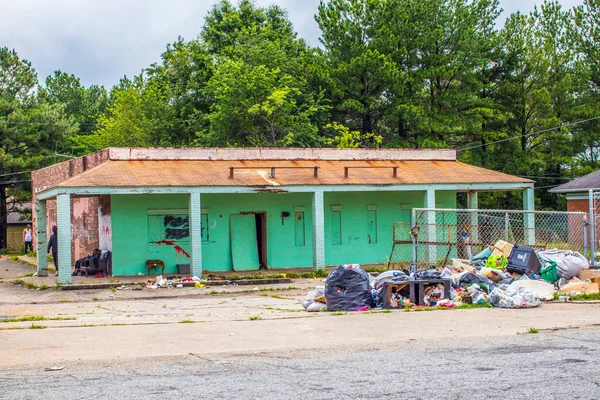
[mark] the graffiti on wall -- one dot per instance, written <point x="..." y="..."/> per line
<point x="104" y="230"/>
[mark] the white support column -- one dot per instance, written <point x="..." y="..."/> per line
<point x="431" y="227"/>
<point x="473" y="200"/>
<point x="529" y="217"/>
<point x="41" y="238"/>
<point x="318" y="228"/>
<point x="195" y="218"/>
<point x="63" y="219"/>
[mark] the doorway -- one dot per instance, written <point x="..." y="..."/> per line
<point x="248" y="235"/>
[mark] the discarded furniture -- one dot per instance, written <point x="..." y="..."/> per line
<point x="422" y="284"/>
<point x="393" y="293"/>
<point x="155" y="264"/>
<point x="101" y="264"/>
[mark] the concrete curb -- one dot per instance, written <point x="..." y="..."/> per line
<point x="240" y="282"/>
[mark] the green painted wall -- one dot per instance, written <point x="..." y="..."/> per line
<point x="132" y="246"/>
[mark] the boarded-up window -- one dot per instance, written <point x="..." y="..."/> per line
<point x="173" y="227"/>
<point x="299" y="229"/>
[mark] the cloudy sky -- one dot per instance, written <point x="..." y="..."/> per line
<point x="101" y="40"/>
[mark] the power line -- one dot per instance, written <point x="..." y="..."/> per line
<point x="16" y="173"/>
<point x="545" y="187"/>
<point x="530" y="134"/>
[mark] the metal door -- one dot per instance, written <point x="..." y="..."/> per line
<point x="244" y="247"/>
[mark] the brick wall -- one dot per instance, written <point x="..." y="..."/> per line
<point x="583" y="205"/>
<point x="84" y="210"/>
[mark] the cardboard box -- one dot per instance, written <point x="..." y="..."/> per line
<point x="589" y="273"/>
<point x="580" y="287"/>
<point x="502" y="248"/>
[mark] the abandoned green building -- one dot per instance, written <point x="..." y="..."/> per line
<point x="243" y="209"/>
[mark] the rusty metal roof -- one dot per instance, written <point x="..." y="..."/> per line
<point x="191" y="173"/>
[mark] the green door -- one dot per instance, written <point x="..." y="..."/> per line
<point x="244" y="248"/>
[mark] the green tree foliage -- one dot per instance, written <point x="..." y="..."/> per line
<point x="510" y="95"/>
<point x="30" y="127"/>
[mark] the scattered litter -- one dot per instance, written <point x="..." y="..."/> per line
<point x="55" y="368"/>
<point x="504" y="296"/>
<point x="316" y="307"/>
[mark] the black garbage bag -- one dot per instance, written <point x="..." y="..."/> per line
<point x="470" y="278"/>
<point x="347" y="289"/>
<point x="427" y="274"/>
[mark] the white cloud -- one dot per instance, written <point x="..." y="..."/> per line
<point x="102" y="40"/>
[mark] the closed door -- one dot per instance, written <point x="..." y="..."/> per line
<point x="244" y="244"/>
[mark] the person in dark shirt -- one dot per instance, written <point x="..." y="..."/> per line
<point x="53" y="244"/>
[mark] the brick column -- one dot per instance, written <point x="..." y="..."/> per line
<point x="195" y="219"/>
<point x="318" y="228"/>
<point x="63" y="219"/>
<point x="41" y="238"/>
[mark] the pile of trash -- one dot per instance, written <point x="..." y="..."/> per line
<point x="172" y="282"/>
<point x="505" y="275"/>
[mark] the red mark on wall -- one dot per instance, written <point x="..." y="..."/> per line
<point x="178" y="249"/>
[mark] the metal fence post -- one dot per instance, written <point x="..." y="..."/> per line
<point x="585" y="244"/>
<point x="413" y="238"/>
<point x="592" y="220"/>
<point x="506" y="224"/>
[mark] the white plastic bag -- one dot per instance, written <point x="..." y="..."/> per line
<point x="568" y="263"/>
<point x="316" y="307"/>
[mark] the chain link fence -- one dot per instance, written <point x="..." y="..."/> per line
<point x="437" y="235"/>
<point x="594" y="233"/>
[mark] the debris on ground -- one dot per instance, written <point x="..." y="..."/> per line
<point x="505" y="275"/>
<point x="55" y="368"/>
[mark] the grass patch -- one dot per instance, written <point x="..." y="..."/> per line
<point x="117" y="324"/>
<point x="384" y="311"/>
<point x="275" y="296"/>
<point x="63" y="301"/>
<point x="533" y="330"/>
<point x="26" y="285"/>
<point x="34" y="326"/>
<point x="585" y="296"/>
<point x="96" y="298"/>
<point x="113" y="289"/>
<point x="44" y="287"/>
<point x="338" y="313"/>
<point x="186" y="321"/>
<point x="25" y="318"/>
<point x="485" y="304"/>
<point x="269" y="308"/>
<point x="28" y="275"/>
<point x="255" y="318"/>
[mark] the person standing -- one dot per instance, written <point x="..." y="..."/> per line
<point x="53" y="244"/>
<point x="28" y="238"/>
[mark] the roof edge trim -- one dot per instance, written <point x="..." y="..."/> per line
<point x="233" y="154"/>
